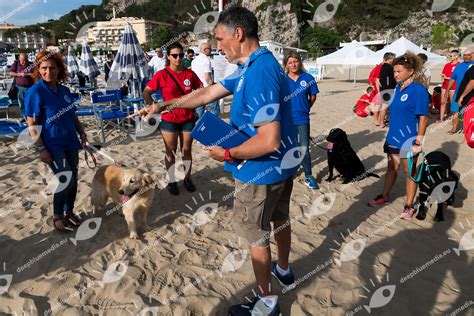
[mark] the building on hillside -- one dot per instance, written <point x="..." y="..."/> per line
<point x="23" y="39"/>
<point x="108" y="34"/>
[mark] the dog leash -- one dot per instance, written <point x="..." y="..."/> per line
<point x="425" y="166"/>
<point x="89" y="152"/>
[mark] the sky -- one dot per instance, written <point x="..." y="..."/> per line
<point x="26" y="12"/>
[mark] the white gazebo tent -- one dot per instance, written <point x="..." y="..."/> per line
<point x="400" y="47"/>
<point x="354" y="54"/>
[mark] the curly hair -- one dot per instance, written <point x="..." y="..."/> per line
<point x="412" y="62"/>
<point x="48" y="55"/>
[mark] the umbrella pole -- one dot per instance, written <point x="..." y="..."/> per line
<point x="355" y="75"/>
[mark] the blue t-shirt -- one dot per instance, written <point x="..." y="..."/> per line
<point x="260" y="86"/>
<point x="301" y="89"/>
<point x="457" y="75"/>
<point x="405" y="108"/>
<point x="55" y="112"/>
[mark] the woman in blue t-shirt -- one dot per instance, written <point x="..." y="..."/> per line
<point x="49" y="105"/>
<point x="303" y="95"/>
<point x="408" y="121"/>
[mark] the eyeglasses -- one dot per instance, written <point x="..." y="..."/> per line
<point x="207" y="48"/>
<point x="175" y="56"/>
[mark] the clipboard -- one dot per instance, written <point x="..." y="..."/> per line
<point x="212" y="131"/>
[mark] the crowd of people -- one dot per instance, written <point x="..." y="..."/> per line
<point x="188" y="89"/>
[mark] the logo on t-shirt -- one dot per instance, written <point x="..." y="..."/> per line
<point x="187" y="82"/>
<point x="404" y="97"/>
<point x="240" y="84"/>
<point x="303" y="83"/>
<point x="67" y="99"/>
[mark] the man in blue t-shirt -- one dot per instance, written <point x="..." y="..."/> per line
<point x="269" y="158"/>
<point x="456" y="77"/>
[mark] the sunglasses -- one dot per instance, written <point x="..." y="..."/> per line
<point x="175" y="56"/>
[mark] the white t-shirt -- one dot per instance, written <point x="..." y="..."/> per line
<point x="157" y="63"/>
<point x="202" y="65"/>
<point x="427" y="73"/>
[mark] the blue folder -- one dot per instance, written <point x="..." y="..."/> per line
<point x="212" y="131"/>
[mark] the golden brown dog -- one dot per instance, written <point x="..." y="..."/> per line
<point x="129" y="187"/>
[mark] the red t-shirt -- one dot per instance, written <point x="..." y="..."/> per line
<point x="448" y="71"/>
<point x="188" y="81"/>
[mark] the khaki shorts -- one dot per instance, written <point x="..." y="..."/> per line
<point x="256" y="205"/>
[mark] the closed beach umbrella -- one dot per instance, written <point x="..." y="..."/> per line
<point x="71" y="64"/>
<point x="87" y="64"/>
<point x="129" y="61"/>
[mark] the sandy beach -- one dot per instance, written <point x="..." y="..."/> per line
<point x="349" y="259"/>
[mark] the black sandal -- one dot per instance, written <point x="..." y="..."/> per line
<point x="73" y="220"/>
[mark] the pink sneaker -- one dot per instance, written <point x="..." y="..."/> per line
<point x="408" y="212"/>
<point x="379" y="200"/>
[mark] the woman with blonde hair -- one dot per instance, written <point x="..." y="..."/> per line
<point x="303" y="95"/>
<point x="408" y="118"/>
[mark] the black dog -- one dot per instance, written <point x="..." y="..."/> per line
<point x="342" y="157"/>
<point x="437" y="184"/>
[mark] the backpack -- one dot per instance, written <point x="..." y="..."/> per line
<point x="469" y="123"/>
<point x="372" y="75"/>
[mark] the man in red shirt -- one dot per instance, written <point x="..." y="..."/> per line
<point x="174" y="82"/>
<point x="22" y="70"/>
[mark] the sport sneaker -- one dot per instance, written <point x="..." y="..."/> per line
<point x="189" y="185"/>
<point x="173" y="188"/>
<point x="408" y="212"/>
<point x="379" y="200"/>
<point x="311" y="183"/>
<point x="287" y="281"/>
<point x="267" y="305"/>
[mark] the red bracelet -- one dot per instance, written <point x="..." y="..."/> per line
<point x="227" y="156"/>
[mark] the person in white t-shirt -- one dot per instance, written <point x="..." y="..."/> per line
<point x="158" y="62"/>
<point x="201" y="65"/>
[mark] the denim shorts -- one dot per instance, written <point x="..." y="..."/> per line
<point x="172" y="127"/>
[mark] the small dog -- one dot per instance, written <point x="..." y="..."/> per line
<point x="342" y="157"/>
<point x="129" y="187"/>
<point x="436" y="186"/>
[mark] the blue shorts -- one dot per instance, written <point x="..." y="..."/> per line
<point x="172" y="127"/>
<point x="454" y="105"/>
<point x="391" y="150"/>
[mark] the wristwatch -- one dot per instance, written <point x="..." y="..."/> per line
<point x="228" y="157"/>
<point x="40" y="148"/>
